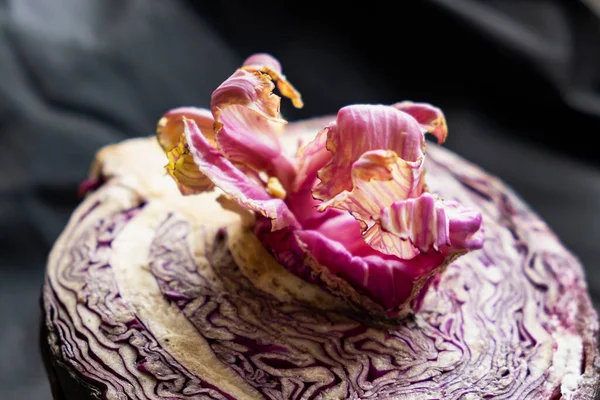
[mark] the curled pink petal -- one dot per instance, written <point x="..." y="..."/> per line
<point x="379" y="178"/>
<point x="430" y="118"/>
<point x="421" y="221"/>
<point x="251" y="90"/>
<point x="171" y="137"/>
<point x="250" y="140"/>
<point x="268" y="64"/>
<point x="361" y="128"/>
<point x="233" y="182"/>
<point x="260" y="61"/>
<point x="390" y="243"/>
<point x="169" y="130"/>
<point x="248" y="124"/>
<point x="429" y="223"/>
<point x="465" y="228"/>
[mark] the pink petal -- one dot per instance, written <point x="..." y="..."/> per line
<point x="379" y="284"/>
<point x="305" y="207"/>
<point x="429" y="223"/>
<point x="430" y="118"/>
<point x="390" y="243"/>
<point x="261" y="61"/>
<point x="311" y="158"/>
<point x="379" y="178"/>
<point x="345" y="230"/>
<point x="170" y="127"/>
<point x="253" y="90"/>
<point x="248" y="124"/>
<point x="389" y="282"/>
<point x="171" y="137"/>
<point x="268" y="64"/>
<point x="233" y="182"/>
<point x="422" y="221"/>
<point x="465" y="228"/>
<point x="361" y="128"/>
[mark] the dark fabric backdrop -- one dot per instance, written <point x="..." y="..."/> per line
<point x="519" y="82"/>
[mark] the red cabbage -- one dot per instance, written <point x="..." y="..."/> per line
<point x="154" y="295"/>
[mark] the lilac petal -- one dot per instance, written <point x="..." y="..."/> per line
<point x="233" y="182"/>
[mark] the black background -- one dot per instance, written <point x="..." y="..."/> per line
<point x="519" y="82"/>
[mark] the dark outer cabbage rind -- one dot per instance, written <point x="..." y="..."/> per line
<point x="538" y="282"/>
<point x="64" y="384"/>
